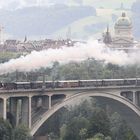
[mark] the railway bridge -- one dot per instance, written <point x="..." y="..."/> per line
<point x="34" y="106"/>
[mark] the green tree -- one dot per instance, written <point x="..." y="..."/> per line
<point x="21" y="133"/>
<point x="74" y="128"/>
<point x="119" y="128"/>
<point x="63" y="131"/>
<point x="83" y="133"/>
<point x="99" y="123"/>
<point x="130" y="135"/>
<point x="5" y="130"/>
<point x="9" y="133"/>
<point x="100" y="136"/>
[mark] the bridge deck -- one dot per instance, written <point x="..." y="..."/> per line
<point x="40" y="90"/>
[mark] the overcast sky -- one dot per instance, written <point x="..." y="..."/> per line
<point x="24" y="3"/>
<point x="13" y="4"/>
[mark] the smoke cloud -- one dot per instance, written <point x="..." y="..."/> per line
<point x="79" y="52"/>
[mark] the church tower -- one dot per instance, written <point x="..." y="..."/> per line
<point x="107" y="37"/>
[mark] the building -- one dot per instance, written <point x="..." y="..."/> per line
<point x="123" y="36"/>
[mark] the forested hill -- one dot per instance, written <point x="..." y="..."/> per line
<point x="34" y="21"/>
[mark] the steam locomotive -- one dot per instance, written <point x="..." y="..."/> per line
<point x="69" y="84"/>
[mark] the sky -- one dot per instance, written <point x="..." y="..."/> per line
<point x="14" y="4"/>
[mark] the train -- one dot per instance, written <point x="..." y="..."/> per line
<point x="69" y="84"/>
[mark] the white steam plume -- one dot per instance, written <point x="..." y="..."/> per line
<point x="79" y="52"/>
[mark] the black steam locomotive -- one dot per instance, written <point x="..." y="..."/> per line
<point x="69" y="84"/>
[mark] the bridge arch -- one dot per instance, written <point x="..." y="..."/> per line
<point x="117" y="98"/>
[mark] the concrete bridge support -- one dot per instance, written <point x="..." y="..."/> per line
<point x="13" y="109"/>
<point x="50" y="101"/>
<point x="138" y="98"/>
<point x="128" y="94"/>
<point x="26" y="111"/>
<point x="3" y="108"/>
<point x="135" y="98"/>
<point x="46" y="102"/>
<point x="56" y="99"/>
<point x="43" y="102"/>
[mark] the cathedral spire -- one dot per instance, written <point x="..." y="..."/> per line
<point x="107" y="37"/>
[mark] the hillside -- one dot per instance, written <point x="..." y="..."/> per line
<point x="35" y="21"/>
<point x="54" y="21"/>
<point x="91" y="26"/>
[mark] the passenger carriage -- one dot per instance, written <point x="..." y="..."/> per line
<point x="23" y="85"/>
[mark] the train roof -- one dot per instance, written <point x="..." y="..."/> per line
<point x="111" y="79"/>
<point x="90" y="80"/>
<point x="21" y="82"/>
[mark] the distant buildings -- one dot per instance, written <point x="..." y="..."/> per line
<point x="121" y="37"/>
<point x="28" y="46"/>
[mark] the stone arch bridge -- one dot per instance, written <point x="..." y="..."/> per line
<point x="34" y="106"/>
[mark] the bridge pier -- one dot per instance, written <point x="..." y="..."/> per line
<point x="138" y="98"/>
<point x="135" y="98"/>
<point x="13" y="108"/>
<point x="20" y="109"/>
<point x="46" y="102"/>
<point x="30" y="112"/>
<point x="3" y="109"/>
<point x="55" y="99"/>
<point x="26" y="111"/>
<point x="50" y="101"/>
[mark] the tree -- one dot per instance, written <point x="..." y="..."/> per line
<point x="100" y="136"/>
<point x="21" y="133"/>
<point x="130" y="135"/>
<point x="5" y="130"/>
<point x="76" y="128"/>
<point x="83" y="133"/>
<point x="99" y="123"/>
<point x="119" y="129"/>
<point x="63" y="131"/>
